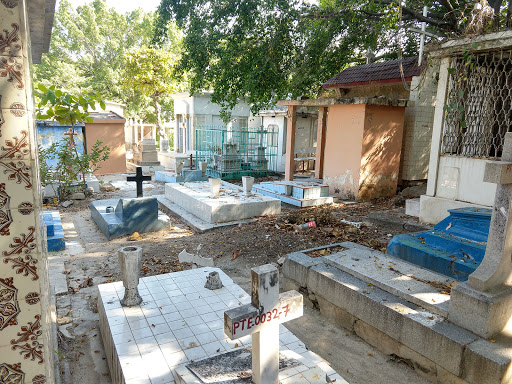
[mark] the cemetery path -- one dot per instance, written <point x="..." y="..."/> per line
<point x="90" y="259"/>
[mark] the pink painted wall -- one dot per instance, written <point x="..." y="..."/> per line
<point x="343" y="142"/>
<point x="362" y="150"/>
<point x="111" y="133"/>
<point x="381" y="151"/>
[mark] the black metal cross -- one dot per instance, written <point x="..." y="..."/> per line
<point x="139" y="179"/>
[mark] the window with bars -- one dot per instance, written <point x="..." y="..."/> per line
<point x="478" y="107"/>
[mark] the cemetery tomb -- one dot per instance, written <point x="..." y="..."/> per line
<point x="231" y="205"/>
<point x="146" y="157"/>
<point x="54" y="232"/>
<point x="455" y="247"/>
<point x="122" y="217"/>
<point x="299" y="193"/>
<point x="402" y="309"/>
<point x="179" y="323"/>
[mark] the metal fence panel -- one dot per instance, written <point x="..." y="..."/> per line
<point x="233" y="153"/>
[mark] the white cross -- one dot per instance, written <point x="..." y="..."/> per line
<point x="261" y="319"/>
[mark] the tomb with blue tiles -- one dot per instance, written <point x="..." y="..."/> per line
<point x="54" y="232"/>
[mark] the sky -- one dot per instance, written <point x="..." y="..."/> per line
<point x="123" y="6"/>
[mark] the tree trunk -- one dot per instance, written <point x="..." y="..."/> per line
<point x="159" y="128"/>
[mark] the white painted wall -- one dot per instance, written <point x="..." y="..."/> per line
<point x="461" y="178"/>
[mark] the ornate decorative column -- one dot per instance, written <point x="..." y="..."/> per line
<point x="25" y="350"/>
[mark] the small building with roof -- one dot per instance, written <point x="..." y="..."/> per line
<point x="375" y="132"/>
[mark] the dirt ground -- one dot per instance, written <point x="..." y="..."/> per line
<point x="90" y="259"/>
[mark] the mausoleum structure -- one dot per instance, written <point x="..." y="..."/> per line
<point x="470" y="122"/>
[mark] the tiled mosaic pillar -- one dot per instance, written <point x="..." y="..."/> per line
<point x="25" y="348"/>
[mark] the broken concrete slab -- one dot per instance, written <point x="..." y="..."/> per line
<point x="185" y="257"/>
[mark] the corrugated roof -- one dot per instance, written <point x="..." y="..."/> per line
<point x="105" y="115"/>
<point x="386" y="71"/>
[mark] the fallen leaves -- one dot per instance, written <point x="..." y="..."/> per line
<point x="236" y="253"/>
<point x="135" y="237"/>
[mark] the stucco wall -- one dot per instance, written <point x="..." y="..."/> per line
<point x="111" y="133"/>
<point x="381" y="149"/>
<point x="342" y="158"/>
<point x="461" y="178"/>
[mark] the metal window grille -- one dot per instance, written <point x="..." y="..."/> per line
<point x="233" y="153"/>
<point x="478" y="108"/>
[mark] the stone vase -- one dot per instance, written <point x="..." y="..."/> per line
<point x="164" y="145"/>
<point x="247" y="183"/>
<point x="130" y="262"/>
<point x="202" y="166"/>
<point x="214" y="187"/>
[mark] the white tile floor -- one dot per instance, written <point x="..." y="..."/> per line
<point x="178" y="321"/>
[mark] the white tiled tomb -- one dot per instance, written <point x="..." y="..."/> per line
<point x="180" y="321"/>
<point x="232" y="204"/>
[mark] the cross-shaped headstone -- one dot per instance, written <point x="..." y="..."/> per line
<point x="495" y="270"/>
<point x="139" y="179"/>
<point x="261" y="319"/>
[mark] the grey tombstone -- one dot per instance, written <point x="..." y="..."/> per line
<point x="483" y="304"/>
<point x="261" y="319"/>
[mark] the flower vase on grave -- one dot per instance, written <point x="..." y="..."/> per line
<point x="214" y="187"/>
<point x="247" y="182"/>
<point x="202" y="166"/>
<point x="130" y="262"/>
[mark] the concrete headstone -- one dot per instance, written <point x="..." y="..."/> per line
<point x="261" y="319"/>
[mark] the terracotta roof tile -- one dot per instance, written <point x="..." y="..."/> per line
<point x="385" y="71"/>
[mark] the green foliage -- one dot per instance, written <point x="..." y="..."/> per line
<point x="87" y="53"/>
<point x="72" y="167"/>
<point x="152" y="71"/>
<point x="266" y="50"/>
<point x="69" y="168"/>
<point x="66" y="109"/>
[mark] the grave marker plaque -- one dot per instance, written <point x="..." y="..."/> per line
<point x="261" y="319"/>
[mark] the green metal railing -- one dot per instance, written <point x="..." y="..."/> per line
<point x="233" y="153"/>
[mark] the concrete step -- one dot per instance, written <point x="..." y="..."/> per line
<point x="393" y="309"/>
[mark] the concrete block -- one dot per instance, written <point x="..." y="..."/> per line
<point x="483" y="313"/>
<point x="489" y="363"/>
<point x="439" y="341"/>
<point x="335" y="314"/>
<point x="498" y="172"/>
<point x="446" y="377"/>
<point x="374" y="306"/>
<point x="412" y="207"/>
<point x="378" y="339"/>
<point x="296" y="267"/>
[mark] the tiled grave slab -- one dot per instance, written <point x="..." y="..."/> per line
<point x="231" y="205"/>
<point x="180" y="321"/>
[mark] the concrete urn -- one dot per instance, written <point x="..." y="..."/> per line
<point x="214" y="187"/>
<point x="130" y="262"/>
<point x="247" y="183"/>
